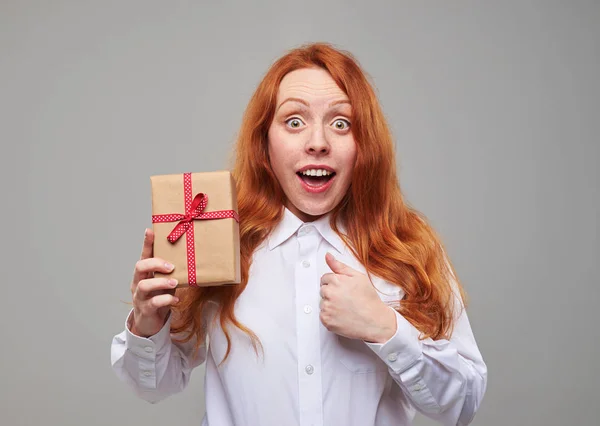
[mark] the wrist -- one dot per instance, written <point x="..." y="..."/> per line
<point x="386" y="326"/>
<point x="134" y="330"/>
<point x="137" y="333"/>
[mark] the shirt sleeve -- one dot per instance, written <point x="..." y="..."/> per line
<point x="155" y="367"/>
<point x="445" y="379"/>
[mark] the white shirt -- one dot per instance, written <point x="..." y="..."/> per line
<point x="308" y="376"/>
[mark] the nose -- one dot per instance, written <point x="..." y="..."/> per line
<point x="317" y="143"/>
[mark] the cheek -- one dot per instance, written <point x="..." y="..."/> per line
<point x="278" y="151"/>
<point x="349" y="159"/>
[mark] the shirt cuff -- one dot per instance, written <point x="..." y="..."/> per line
<point x="147" y="347"/>
<point x="403" y="349"/>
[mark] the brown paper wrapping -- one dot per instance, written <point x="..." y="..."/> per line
<point x="216" y="241"/>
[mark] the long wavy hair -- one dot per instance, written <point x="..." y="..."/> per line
<point x="392" y="240"/>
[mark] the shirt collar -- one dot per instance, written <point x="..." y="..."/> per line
<point x="290" y="224"/>
<point x="286" y="227"/>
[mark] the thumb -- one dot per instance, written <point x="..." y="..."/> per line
<point x="338" y="267"/>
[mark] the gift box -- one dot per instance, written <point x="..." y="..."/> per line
<point x="196" y="227"/>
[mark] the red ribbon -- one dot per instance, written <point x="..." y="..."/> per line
<point x="194" y="210"/>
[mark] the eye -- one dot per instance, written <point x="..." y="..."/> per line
<point x="294" y="123"/>
<point x="341" y="124"/>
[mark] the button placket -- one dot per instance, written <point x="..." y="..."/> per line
<point x="307" y="283"/>
<point x="147" y="375"/>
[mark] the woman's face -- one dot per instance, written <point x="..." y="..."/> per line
<point x="311" y="146"/>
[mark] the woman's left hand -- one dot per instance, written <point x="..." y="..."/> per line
<point x="351" y="307"/>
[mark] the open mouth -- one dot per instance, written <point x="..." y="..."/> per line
<point x="316" y="178"/>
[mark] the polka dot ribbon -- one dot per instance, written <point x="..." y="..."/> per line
<point x="194" y="210"/>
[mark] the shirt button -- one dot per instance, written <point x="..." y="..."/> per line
<point x="147" y="373"/>
<point x="305" y="263"/>
<point x="307" y="309"/>
<point x="392" y="357"/>
<point x="148" y="349"/>
<point x="417" y="388"/>
<point x="305" y="230"/>
<point x="309" y="369"/>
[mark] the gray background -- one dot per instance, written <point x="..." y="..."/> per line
<point x="495" y="109"/>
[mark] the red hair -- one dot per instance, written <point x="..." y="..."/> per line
<point x="392" y="240"/>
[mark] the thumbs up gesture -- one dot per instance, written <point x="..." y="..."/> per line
<point x="351" y="307"/>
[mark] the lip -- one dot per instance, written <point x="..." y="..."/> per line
<point x="319" y="189"/>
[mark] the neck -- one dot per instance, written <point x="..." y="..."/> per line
<point x="304" y="217"/>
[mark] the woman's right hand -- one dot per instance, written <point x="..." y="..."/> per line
<point x="152" y="297"/>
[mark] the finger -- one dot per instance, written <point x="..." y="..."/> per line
<point x="329" y="278"/>
<point x="157" y="292"/>
<point x="146" y="288"/>
<point x="147" y="247"/>
<point x="325" y="292"/>
<point x="325" y="308"/>
<point x="146" y="266"/>
<point x="161" y="301"/>
<point x="337" y="266"/>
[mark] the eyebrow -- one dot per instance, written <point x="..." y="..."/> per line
<point x="303" y="102"/>
<point x="341" y="101"/>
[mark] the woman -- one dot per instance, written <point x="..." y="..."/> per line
<point x="349" y="312"/>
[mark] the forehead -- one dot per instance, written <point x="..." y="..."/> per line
<point x="311" y="84"/>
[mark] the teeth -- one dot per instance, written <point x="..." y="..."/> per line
<point x="316" y="172"/>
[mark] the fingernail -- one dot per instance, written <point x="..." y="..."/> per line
<point x="172" y="282"/>
<point x="146" y="232"/>
<point x="176" y="299"/>
<point x="169" y="266"/>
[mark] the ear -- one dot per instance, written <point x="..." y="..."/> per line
<point x="338" y="267"/>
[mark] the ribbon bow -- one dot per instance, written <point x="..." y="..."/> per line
<point x="185" y="221"/>
<point x="195" y="211"/>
